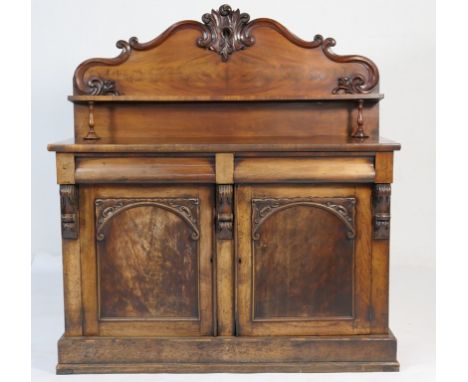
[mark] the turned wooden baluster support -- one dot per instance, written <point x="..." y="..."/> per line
<point x="91" y="132"/>
<point x="359" y="132"/>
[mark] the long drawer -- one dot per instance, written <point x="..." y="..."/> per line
<point x="145" y="170"/>
<point x="304" y="170"/>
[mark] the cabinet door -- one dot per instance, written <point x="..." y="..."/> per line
<point x="303" y="260"/>
<point x="146" y="260"/>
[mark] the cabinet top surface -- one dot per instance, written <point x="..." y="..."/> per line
<point x="217" y="144"/>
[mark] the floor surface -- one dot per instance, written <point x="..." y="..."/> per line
<point x="412" y="321"/>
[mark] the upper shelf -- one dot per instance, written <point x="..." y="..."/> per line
<point x="224" y="98"/>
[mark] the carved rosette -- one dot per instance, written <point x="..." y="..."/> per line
<point x="185" y="208"/>
<point x="342" y="208"/>
<point x="224" y="213"/>
<point x="69" y="211"/>
<point x="226" y="31"/>
<point x="381" y="202"/>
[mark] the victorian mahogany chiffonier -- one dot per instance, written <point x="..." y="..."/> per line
<point x="225" y="206"/>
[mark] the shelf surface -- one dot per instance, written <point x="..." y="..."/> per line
<point x="223" y="144"/>
<point x="226" y="98"/>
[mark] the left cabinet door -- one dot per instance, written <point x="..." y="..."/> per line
<point x="146" y="260"/>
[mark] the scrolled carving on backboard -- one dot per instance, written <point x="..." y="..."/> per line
<point x="185" y="208"/>
<point x="95" y="85"/>
<point x="224" y="213"/>
<point x="381" y="204"/>
<point x="101" y="86"/>
<point x="352" y="83"/>
<point x="69" y="211"/>
<point x="226" y="31"/>
<point x="342" y="208"/>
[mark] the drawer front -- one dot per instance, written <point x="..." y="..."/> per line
<point x="304" y="170"/>
<point x="145" y="170"/>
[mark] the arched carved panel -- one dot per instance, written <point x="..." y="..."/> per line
<point x="303" y="256"/>
<point x="148" y="256"/>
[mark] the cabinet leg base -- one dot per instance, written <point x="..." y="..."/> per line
<point x="360" y="353"/>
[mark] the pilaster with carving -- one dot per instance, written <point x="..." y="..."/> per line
<point x="224" y="212"/>
<point x="69" y="207"/>
<point x="381" y="215"/>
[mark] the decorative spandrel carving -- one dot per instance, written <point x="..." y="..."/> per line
<point x="226" y="31"/>
<point x="186" y="208"/>
<point x="382" y="193"/>
<point x="69" y="211"/>
<point x="342" y="208"/>
<point x="224" y="213"/>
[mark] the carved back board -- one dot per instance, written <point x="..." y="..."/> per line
<point x="233" y="76"/>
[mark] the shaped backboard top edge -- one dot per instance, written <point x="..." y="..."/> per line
<point x="227" y="55"/>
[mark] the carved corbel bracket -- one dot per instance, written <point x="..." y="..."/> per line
<point x="69" y="211"/>
<point x="224" y="212"/>
<point x="381" y="202"/>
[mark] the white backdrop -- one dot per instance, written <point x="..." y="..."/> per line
<point x="398" y="35"/>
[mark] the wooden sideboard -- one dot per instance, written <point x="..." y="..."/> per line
<point x="225" y="206"/>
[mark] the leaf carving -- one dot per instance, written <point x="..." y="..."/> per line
<point x="226" y="31"/>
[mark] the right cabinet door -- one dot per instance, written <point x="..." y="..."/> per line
<point x="303" y="260"/>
